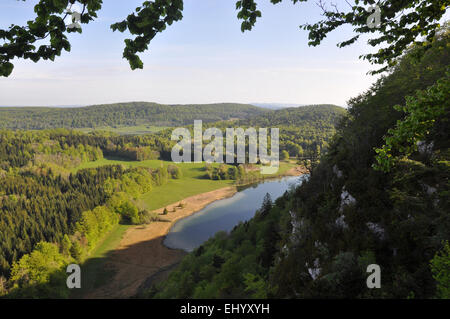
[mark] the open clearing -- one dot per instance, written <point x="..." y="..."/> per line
<point x="141" y="252"/>
<point x="193" y="181"/>
<point x="131" y="254"/>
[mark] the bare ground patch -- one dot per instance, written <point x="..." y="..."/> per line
<point x="141" y="252"/>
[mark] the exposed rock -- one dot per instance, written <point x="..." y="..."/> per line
<point x="314" y="271"/>
<point x="337" y="171"/>
<point x="340" y="222"/>
<point x="425" y="148"/>
<point x="430" y="190"/>
<point x="377" y="230"/>
<point x="296" y="227"/>
<point x="346" y="199"/>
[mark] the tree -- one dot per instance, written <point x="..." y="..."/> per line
<point x="223" y="172"/>
<point x="423" y="110"/>
<point x="76" y="251"/>
<point x="36" y="267"/>
<point x="174" y="172"/>
<point x="3" y="289"/>
<point x="66" y="245"/>
<point x="241" y="171"/>
<point x="266" y="205"/>
<point x="440" y="266"/>
<point x="284" y="155"/>
<point x="256" y="286"/>
<point x="233" y="173"/>
<point x="129" y="213"/>
<point x="401" y="24"/>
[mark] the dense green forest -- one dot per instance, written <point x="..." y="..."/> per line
<point x="49" y="207"/>
<point x="122" y="114"/>
<point x="379" y="196"/>
<point x="323" y="117"/>
<point x="305" y="132"/>
<point x="377" y="192"/>
<point x="43" y="200"/>
<point x="66" y="216"/>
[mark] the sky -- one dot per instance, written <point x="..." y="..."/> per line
<point x="204" y="58"/>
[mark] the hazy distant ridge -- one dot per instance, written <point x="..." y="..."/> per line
<point x="123" y="114"/>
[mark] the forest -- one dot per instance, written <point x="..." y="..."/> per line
<point x="54" y="213"/>
<point x="375" y="190"/>
<point x="305" y="131"/>
<point x="66" y="216"/>
<point x="378" y="196"/>
<point x="122" y="114"/>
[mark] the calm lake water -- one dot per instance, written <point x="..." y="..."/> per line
<point x="190" y="232"/>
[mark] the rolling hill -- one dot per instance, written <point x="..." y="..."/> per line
<point x="294" y="116"/>
<point x="123" y="114"/>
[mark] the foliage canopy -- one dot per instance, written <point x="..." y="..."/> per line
<point x="401" y="24"/>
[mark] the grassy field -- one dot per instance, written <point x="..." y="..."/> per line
<point x="126" y="130"/>
<point x="94" y="272"/>
<point x="109" y="242"/>
<point x="192" y="183"/>
<point x="119" y="161"/>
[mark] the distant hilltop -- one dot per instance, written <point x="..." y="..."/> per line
<point x="277" y="106"/>
<point x="145" y="113"/>
<point x="54" y="106"/>
<point x="123" y="114"/>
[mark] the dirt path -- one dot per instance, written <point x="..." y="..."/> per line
<point x="141" y="252"/>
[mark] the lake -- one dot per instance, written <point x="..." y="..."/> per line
<point x="222" y="215"/>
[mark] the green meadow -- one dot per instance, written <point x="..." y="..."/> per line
<point x="193" y="181"/>
<point x="94" y="272"/>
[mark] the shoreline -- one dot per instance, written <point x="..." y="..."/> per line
<point x="141" y="255"/>
<point x="293" y="172"/>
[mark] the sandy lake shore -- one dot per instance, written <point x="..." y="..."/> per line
<point x="141" y="253"/>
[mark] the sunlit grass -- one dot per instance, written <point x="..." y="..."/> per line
<point x="193" y="181"/>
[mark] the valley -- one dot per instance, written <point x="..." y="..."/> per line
<point x="125" y="198"/>
<point x="142" y="193"/>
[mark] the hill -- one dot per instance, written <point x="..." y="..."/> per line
<point x="123" y="114"/>
<point x="304" y="131"/>
<point x="321" y="115"/>
<point x="276" y="106"/>
<point x="379" y="196"/>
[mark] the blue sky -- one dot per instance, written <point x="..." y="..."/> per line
<point x="205" y="58"/>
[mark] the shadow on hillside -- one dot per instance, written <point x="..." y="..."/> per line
<point x="126" y="272"/>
